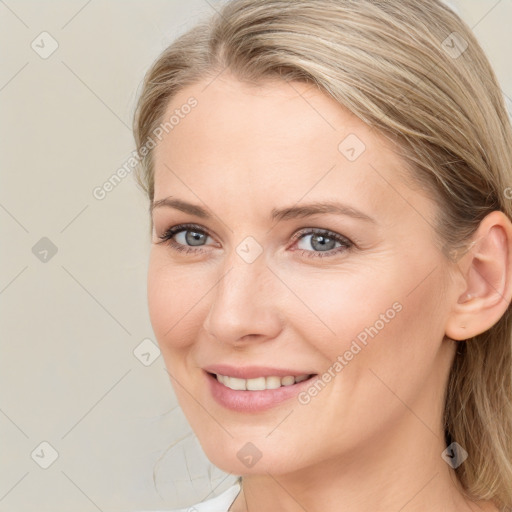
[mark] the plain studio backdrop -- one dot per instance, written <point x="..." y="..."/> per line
<point x="86" y="406"/>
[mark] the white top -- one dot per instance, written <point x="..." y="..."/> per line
<point x="220" y="503"/>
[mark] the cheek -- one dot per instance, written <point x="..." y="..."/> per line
<point x="337" y="306"/>
<point x="172" y="301"/>
<point x="402" y="335"/>
<point x="391" y="321"/>
<point x="386" y="346"/>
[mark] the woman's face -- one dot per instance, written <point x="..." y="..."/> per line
<point x="275" y="284"/>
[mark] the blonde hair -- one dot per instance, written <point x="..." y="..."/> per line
<point x="403" y="68"/>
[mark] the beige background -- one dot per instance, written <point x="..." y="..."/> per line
<point x="72" y="320"/>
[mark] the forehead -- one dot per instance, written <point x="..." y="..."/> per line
<point x="273" y="142"/>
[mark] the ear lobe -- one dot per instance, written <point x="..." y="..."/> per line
<point x="487" y="272"/>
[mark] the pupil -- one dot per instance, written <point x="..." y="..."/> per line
<point x="323" y="242"/>
<point x="195" y="239"/>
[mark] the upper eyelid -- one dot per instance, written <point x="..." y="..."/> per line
<point x="178" y="228"/>
<point x="296" y="235"/>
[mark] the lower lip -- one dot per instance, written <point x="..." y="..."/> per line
<point x="253" y="401"/>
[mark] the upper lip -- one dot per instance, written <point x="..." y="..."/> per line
<point x="252" y="372"/>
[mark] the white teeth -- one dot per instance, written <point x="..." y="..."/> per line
<point x="235" y="383"/>
<point x="288" y="381"/>
<point x="259" y="383"/>
<point x="273" y="382"/>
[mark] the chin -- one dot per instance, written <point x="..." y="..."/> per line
<point x="243" y="457"/>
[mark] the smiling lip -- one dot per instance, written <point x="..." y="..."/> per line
<point x="253" y="401"/>
<point x="252" y="372"/>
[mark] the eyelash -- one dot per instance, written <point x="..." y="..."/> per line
<point x="347" y="244"/>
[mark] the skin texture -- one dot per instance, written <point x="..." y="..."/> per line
<point x="372" y="438"/>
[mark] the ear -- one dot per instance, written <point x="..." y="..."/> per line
<point x="487" y="279"/>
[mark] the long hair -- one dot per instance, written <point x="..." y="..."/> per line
<point x="414" y="72"/>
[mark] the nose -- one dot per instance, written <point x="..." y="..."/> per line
<point x="244" y="304"/>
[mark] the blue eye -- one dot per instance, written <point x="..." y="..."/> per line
<point x="193" y="236"/>
<point x="324" y="242"/>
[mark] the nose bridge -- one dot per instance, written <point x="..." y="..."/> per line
<point x="241" y="302"/>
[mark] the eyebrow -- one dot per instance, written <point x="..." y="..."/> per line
<point x="292" y="212"/>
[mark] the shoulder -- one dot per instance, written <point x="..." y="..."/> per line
<point x="220" y="503"/>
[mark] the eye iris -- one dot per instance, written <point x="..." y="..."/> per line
<point x="194" y="238"/>
<point x="326" y="243"/>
